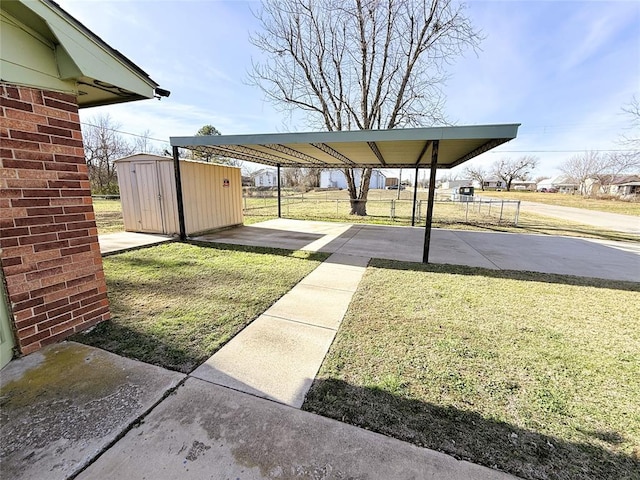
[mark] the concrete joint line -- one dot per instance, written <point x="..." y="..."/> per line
<point x="477" y="251"/>
<point x="133" y="424"/>
<point x="300" y="322"/>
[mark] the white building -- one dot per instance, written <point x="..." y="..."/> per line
<point x="266" y="177"/>
<point x="337" y="179"/>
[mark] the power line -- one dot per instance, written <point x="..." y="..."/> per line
<point x="122" y="132"/>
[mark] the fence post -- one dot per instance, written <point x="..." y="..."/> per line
<point x="466" y="215"/>
<point x="337" y="210"/>
<point x="490" y="203"/>
<point x="517" y="213"/>
<point x="501" y="209"/>
<point x="392" y="210"/>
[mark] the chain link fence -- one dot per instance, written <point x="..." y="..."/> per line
<point x="471" y="210"/>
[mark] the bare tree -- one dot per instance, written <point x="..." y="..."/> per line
<point x="583" y="166"/>
<point x="144" y="144"/>
<point x="102" y="146"/>
<point x="632" y="109"/>
<point x="478" y="174"/>
<point x="509" y="170"/>
<point x="359" y="64"/>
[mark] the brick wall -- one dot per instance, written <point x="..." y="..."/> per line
<point x="50" y="253"/>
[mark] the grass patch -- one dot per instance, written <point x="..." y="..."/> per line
<point x="108" y="215"/>
<point x="534" y="374"/>
<point x="175" y="304"/>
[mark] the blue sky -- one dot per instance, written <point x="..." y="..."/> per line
<point x="563" y="69"/>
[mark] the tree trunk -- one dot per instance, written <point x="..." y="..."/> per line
<point x="358" y="207"/>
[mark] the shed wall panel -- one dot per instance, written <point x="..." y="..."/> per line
<point x="208" y="203"/>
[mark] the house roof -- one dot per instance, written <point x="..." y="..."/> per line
<point x="45" y="47"/>
<point x="399" y="148"/>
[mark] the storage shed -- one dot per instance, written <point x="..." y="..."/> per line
<point x="212" y="195"/>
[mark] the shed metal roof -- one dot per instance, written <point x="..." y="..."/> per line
<point x="398" y="148"/>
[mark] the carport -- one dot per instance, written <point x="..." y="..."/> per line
<point x="433" y="148"/>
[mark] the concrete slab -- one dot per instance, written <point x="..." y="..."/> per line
<point x="64" y="404"/>
<point x="539" y="253"/>
<point x="207" y="431"/>
<point x="561" y="255"/>
<point x="122" y="241"/>
<point x="313" y="305"/>
<point x="340" y="278"/>
<point x="271" y="358"/>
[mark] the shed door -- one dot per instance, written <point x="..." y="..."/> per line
<point x="147" y="198"/>
<point x="6" y="336"/>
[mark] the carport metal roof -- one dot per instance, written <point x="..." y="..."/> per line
<point x="399" y="148"/>
<point x="433" y="148"/>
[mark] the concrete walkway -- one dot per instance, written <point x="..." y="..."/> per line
<point x="278" y="355"/>
<point x="122" y="241"/>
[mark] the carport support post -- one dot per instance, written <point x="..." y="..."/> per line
<point x="279" y="197"/>
<point x="415" y="198"/>
<point x="432" y="192"/>
<point x="176" y="169"/>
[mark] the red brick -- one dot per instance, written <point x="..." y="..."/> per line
<point x="8" y="242"/>
<point x="77" y="217"/>
<point x="55" y="228"/>
<point x="12" y="261"/>
<point x="75" y="192"/>
<point x="15" y="232"/>
<point x="39" y="174"/>
<point x="34" y="338"/>
<point x="20" y="144"/>
<point x="30" y="136"/>
<point x="64" y="184"/>
<point x="41" y="247"/>
<point x="83" y="294"/>
<point x="18" y="163"/>
<point x="69" y="158"/>
<point x="69" y="107"/>
<point x="6" y="153"/>
<point x="64" y="124"/>
<point x="10" y="192"/>
<point x="78" y="209"/>
<point x="71" y="176"/>
<point x="28" y="304"/>
<point x="31" y="155"/>
<point x="15" y="104"/>
<point x="65" y="97"/>
<point x="61" y="167"/>
<point x="28" y="221"/>
<point x="69" y="234"/>
<point x="81" y="225"/>
<point x="37" y="275"/>
<point x="39" y="292"/>
<point x="60" y="132"/>
<point x="54" y="262"/>
<point x="40" y="193"/>
<point x="42" y="238"/>
<point x="81" y="280"/>
<point x="26" y="116"/>
<point x="26" y="183"/>
<point x="11" y="92"/>
<point x="40" y="211"/>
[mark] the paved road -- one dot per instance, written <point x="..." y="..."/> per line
<point x="610" y="221"/>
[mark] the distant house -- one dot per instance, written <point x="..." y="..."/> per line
<point x="528" y="185"/>
<point x="490" y="183"/>
<point x="337" y="179"/>
<point x="266" y="177"/>
<point x="619" y="185"/>
<point x="451" y="184"/>
<point x="560" y="184"/>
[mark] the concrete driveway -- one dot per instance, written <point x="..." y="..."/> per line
<point x="503" y="251"/>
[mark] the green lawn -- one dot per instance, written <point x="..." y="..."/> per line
<point x="534" y="374"/>
<point x="175" y="304"/>
<point x="108" y="215"/>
